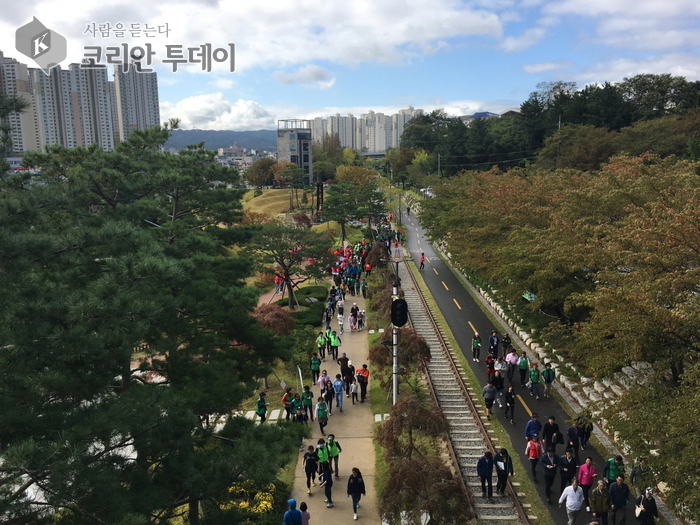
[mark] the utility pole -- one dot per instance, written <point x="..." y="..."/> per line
<point x="399" y="317"/>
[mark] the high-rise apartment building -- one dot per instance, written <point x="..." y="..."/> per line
<point x="77" y="106"/>
<point x="137" y="100"/>
<point x="372" y="132"/>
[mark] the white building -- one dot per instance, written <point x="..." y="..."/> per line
<point x="137" y="100"/>
<point x="14" y="81"/>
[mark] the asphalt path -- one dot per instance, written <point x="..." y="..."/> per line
<point x="464" y="316"/>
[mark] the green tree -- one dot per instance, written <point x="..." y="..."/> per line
<point x="8" y="104"/>
<point x="129" y="326"/>
<point x="260" y="174"/>
<point x="297" y="254"/>
<point x="343" y="204"/>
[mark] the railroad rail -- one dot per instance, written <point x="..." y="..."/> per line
<point x="461" y="405"/>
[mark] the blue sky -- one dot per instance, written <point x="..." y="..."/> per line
<point x="308" y="58"/>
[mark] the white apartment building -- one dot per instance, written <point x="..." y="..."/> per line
<point x="372" y="132"/>
<point x="137" y="100"/>
<point x="77" y="106"/>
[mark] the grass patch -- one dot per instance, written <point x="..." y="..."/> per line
<point x="271" y="202"/>
<point x="498" y="434"/>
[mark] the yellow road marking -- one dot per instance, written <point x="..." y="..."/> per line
<point x="455" y="300"/>
<point x="436" y="272"/>
<point x="472" y="326"/>
<point x="446" y="288"/>
<point x="527" y="409"/>
<point x="418" y="241"/>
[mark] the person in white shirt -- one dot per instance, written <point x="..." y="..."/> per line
<point x="573" y="496"/>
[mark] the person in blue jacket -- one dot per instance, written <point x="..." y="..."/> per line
<point x="293" y="515"/>
<point x="533" y="427"/>
<point x="484" y="469"/>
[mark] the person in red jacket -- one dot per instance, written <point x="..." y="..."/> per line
<point x="534" y="452"/>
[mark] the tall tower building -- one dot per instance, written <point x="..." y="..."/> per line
<point x="14" y="81"/>
<point x="294" y="144"/>
<point x="137" y="100"/>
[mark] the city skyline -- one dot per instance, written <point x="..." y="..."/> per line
<point x="308" y="60"/>
<point x="76" y="106"/>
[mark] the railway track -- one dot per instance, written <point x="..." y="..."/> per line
<point x="461" y="404"/>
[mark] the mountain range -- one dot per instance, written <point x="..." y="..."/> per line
<point x="264" y="139"/>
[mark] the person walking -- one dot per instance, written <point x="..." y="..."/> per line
<point x="523" y="367"/>
<point x="568" y="465"/>
<point x="261" y="407"/>
<point x="550" y="434"/>
<point x="510" y="403"/>
<point x="647" y="504"/>
<point x="328" y="397"/>
<point x="310" y="466"/>
<point x="512" y="361"/>
<point x="363" y="380"/>
<point x="484" y="469"/>
<point x="494" y="341"/>
<point x="305" y="514"/>
<point x="334" y="450"/>
<point x="573" y="437"/>
<point x="356" y="489"/>
<point x="550" y="466"/>
<point x="533" y="427"/>
<point x="293" y="515"/>
<point x="421" y="261"/>
<point x="586" y="476"/>
<point x="327" y="484"/>
<point x="548" y="376"/>
<point x="613" y="468"/>
<point x="619" y="498"/>
<point x="315" y="365"/>
<point x="321" y="413"/>
<point x="535" y="377"/>
<point x="504" y="468"/>
<point x="573" y="497"/>
<point x="307" y="400"/>
<point x="599" y="502"/>
<point x="497" y="381"/>
<point x="489" y="394"/>
<point x="533" y="451"/>
<point x="287" y="402"/>
<point x="476" y="347"/>
<point x="338" y="389"/>
<point x="321" y="342"/>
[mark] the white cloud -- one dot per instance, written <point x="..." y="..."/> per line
<point x="311" y="76"/>
<point x="214" y="111"/>
<point x="542" y="67"/>
<point x="223" y="82"/>
<point x="677" y="64"/>
<point x="274" y="34"/>
<point x="529" y="38"/>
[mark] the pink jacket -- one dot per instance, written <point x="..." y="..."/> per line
<point x="586" y="474"/>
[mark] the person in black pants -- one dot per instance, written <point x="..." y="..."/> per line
<point x="327" y="484"/>
<point x="484" y="469"/>
<point x="510" y="403"/>
<point x="504" y="467"/>
<point x="568" y="466"/>
<point x="310" y="467"/>
<point x="550" y="465"/>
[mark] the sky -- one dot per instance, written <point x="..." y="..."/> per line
<point x="304" y="59"/>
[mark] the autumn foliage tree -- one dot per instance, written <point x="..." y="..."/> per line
<point x="418" y="482"/>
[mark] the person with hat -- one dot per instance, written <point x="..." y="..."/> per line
<point x="646" y="510"/>
<point x="534" y="452"/>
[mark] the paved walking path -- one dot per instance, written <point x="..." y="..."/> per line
<point x="353" y="429"/>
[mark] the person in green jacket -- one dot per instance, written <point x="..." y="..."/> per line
<point x="307" y="399"/>
<point x="321" y="413"/>
<point x="261" y="408"/>
<point x="535" y="380"/>
<point x="315" y="365"/>
<point x="334" y="451"/>
<point x="523" y="367"/>
<point x="322" y="453"/>
<point x="548" y="375"/>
